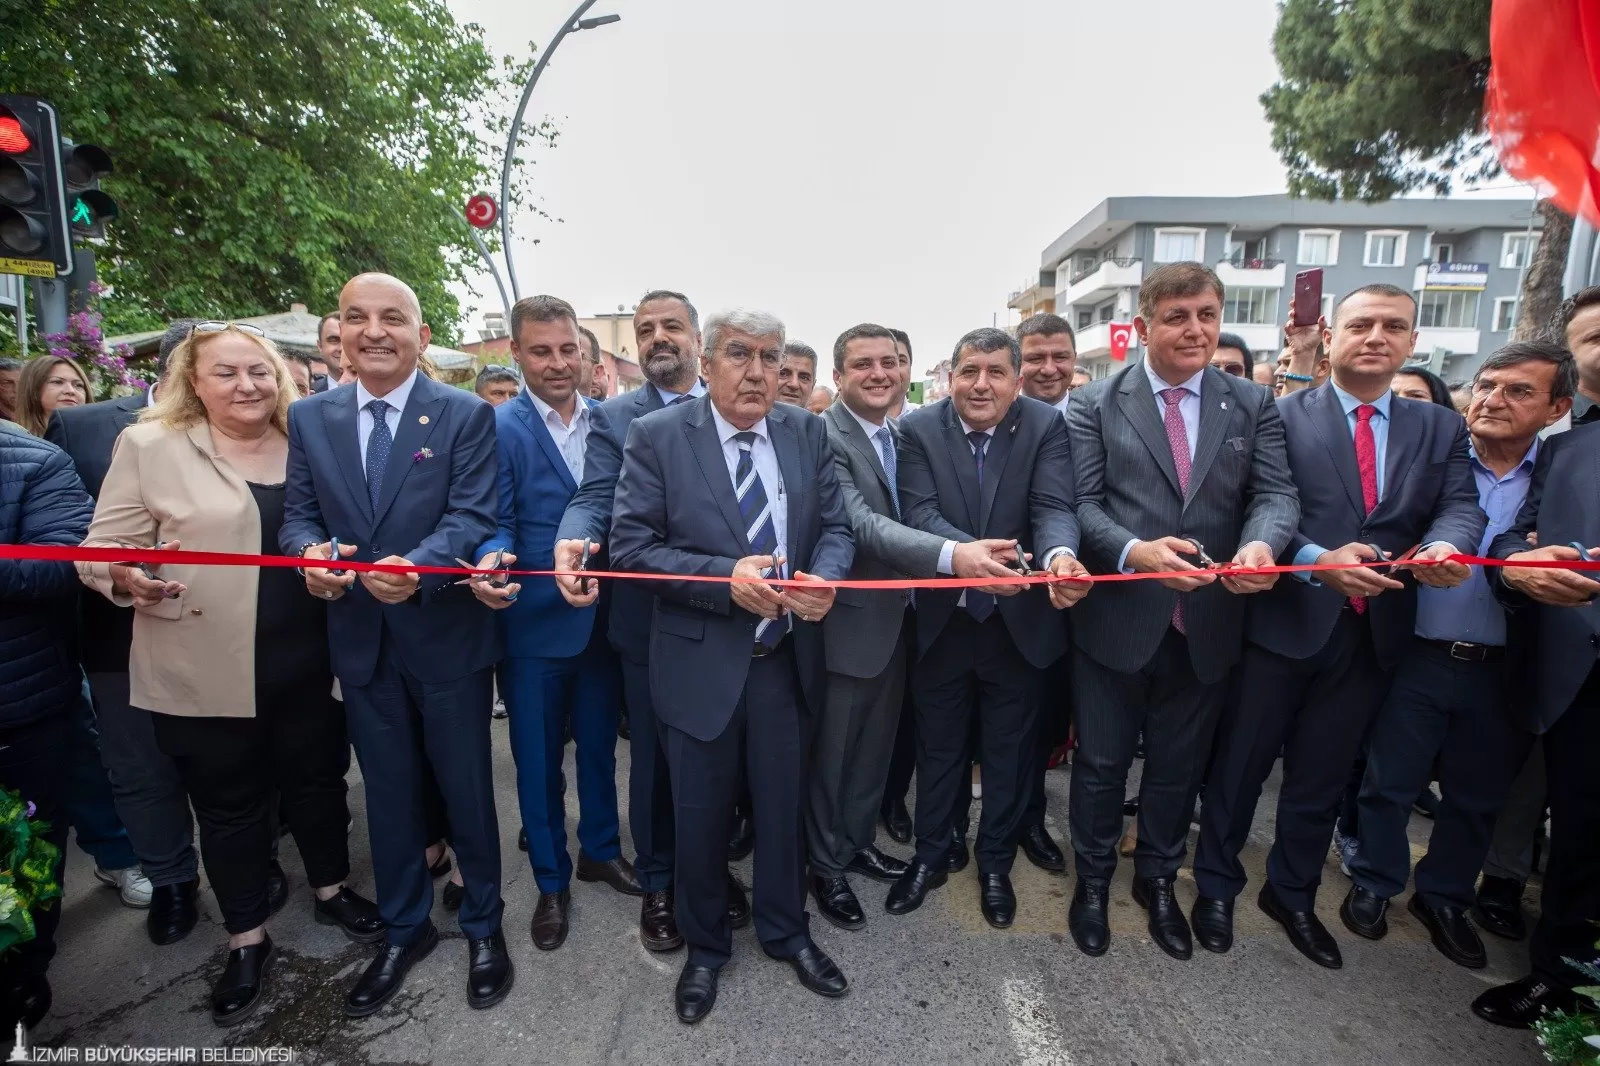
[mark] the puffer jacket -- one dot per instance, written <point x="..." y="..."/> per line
<point x="41" y="502"/>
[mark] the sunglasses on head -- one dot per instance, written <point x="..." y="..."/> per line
<point x="223" y="327"/>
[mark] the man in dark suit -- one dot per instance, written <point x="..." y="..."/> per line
<point x="731" y="486"/>
<point x="1553" y="639"/>
<point x="985" y="462"/>
<point x="401" y="470"/>
<point x="867" y="637"/>
<point x="150" y="798"/>
<point x="560" y="673"/>
<point x="1176" y="462"/>
<point x="1373" y="470"/>
<point x="666" y="331"/>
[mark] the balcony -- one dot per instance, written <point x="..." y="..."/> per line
<point x="1103" y="279"/>
<point x="1094" y="342"/>
<point x="1259" y="273"/>
<point x="1032" y="299"/>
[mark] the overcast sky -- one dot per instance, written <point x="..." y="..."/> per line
<point x="896" y="161"/>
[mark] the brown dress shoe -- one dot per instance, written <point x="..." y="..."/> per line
<point x="550" y="920"/>
<point x="617" y="872"/>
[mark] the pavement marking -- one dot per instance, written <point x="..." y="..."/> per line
<point x="1033" y="1026"/>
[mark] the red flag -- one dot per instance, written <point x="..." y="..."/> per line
<point x="1543" y="105"/>
<point x="1121" y="337"/>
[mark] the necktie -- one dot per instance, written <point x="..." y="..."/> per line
<point x="1367" y="464"/>
<point x="886" y="454"/>
<point x="676" y="400"/>
<point x="756" y="513"/>
<point x="980" y="605"/>
<point x="378" y="445"/>
<point x="1178" y="441"/>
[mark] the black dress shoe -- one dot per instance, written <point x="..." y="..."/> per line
<point x="622" y="728"/>
<point x="453" y="895"/>
<point x="871" y="863"/>
<point x="617" y="872"/>
<point x="1087" y="917"/>
<point x="1042" y="851"/>
<point x="1366" y="914"/>
<point x="658" y="922"/>
<point x="738" y="903"/>
<point x="816" y="971"/>
<point x="742" y="841"/>
<point x="442" y="867"/>
<point x="27" y="1001"/>
<point x="1166" y="923"/>
<point x="696" y="993"/>
<point x="1499" y="907"/>
<point x="955" y="860"/>
<point x="836" y="901"/>
<point x="358" y="917"/>
<point x="172" y="912"/>
<point x="550" y="919"/>
<point x="907" y="894"/>
<point x="277" y="888"/>
<point x="1130" y="806"/>
<point x="522" y="839"/>
<point x="237" y="992"/>
<point x="1306" y="931"/>
<point x="1452" y="933"/>
<point x="387" y="972"/>
<point x="1521" y="1003"/>
<point x="1212" y="920"/>
<point x="489" y="972"/>
<point x="897" y="820"/>
<point x="996" y="900"/>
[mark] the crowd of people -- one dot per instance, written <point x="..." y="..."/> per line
<point x="768" y="709"/>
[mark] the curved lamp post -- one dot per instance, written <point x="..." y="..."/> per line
<point x="575" y="21"/>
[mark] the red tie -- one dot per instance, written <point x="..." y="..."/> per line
<point x="1367" y="464"/>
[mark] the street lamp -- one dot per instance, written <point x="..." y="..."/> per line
<point x="575" y="21"/>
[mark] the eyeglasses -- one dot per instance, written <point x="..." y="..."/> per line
<point x="223" y="327"/>
<point x="1513" y="391"/>
<point x="740" y="356"/>
<point x="1236" y="369"/>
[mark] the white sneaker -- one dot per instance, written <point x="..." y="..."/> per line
<point x="131" y="884"/>
<point x="1347" y="848"/>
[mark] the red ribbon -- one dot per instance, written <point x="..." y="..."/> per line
<point x="183" y="557"/>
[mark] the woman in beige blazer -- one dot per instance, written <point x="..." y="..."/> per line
<point x="232" y="661"/>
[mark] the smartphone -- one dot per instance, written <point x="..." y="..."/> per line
<point x="1308" y="297"/>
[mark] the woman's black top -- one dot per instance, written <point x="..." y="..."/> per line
<point x="291" y="625"/>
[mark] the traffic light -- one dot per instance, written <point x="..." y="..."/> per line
<point x="35" y="235"/>
<point x="88" y="208"/>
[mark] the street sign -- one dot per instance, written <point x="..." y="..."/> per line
<point x="482" y="211"/>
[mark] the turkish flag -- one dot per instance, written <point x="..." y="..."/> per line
<point x="1543" y="105"/>
<point x="1121" y="339"/>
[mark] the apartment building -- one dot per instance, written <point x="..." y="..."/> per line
<point x="1462" y="258"/>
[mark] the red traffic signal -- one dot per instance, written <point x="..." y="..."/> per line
<point x="14" y="139"/>
<point x="35" y="235"/>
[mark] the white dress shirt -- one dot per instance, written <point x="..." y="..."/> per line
<point x="1188" y="407"/>
<point x="766" y="464"/>
<point x="396" y="399"/>
<point x="667" y="395"/>
<point x="572" y="441"/>
<point x="1061" y="404"/>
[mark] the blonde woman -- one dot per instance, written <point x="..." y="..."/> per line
<point x="232" y="662"/>
<point x="45" y="384"/>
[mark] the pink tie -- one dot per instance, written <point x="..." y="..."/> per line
<point x="1178" y="440"/>
<point x="1367" y="464"/>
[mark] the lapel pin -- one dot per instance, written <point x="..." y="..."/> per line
<point x="424" y="418"/>
<point x="1224" y="405"/>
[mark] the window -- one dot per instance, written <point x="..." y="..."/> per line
<point x="1085" y="318"/>
<point x="1443" y="309"/>
<point x="1505" y="314"/>
<point x="1385" y="248"/>
<point x="1180" y="245"/>
<point x="1106" y="312"/>
<point x="1318" y="247"/>
<point x="1516" y="249"/>
<point x="1250" y="306"/>
<point x="1444" y="253"/>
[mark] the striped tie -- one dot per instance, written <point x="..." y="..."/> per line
<point x="756" y="513"/>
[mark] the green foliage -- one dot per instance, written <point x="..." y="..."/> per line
<point x="1572" y="1038"/>
<point x="28" y="866"/>
<point x="267" y="150"/>
<point x="1380" y="97"/>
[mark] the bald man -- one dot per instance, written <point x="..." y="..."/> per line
<point x="401" y="470"/>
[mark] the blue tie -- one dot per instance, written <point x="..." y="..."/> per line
<point x="886" y="453"/>
<point x="980" y="605"/>
<point x="378" y="445"/>
<point x="759" y="529"/>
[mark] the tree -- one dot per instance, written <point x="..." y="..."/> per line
<point x="267" y="150"/>
<point x="1381" y="97"/>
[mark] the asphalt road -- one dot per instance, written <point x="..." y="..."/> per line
<point x="935" y="986"/>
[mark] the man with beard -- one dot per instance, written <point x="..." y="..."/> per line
<point x="798" y="377"/>
<point x="666" y="331"/>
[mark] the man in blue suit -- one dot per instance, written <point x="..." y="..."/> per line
<point x="559" y="667"/>
<point x="666" y="330"/>
<point x="731" y="486"/>
<point x="400" y="469"/>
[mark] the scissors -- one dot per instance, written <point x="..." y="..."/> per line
<point x="1021" y="565"/>
<point x="585" y="584"/>
<point x="499" y="579"/>
<point x="333" y="553"/>
<point x="145" y="569"/>
<point x="1206" y="562"/>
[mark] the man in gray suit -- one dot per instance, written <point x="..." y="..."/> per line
<point x="866" y="639"/>
<point x="1176" y="463"/>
